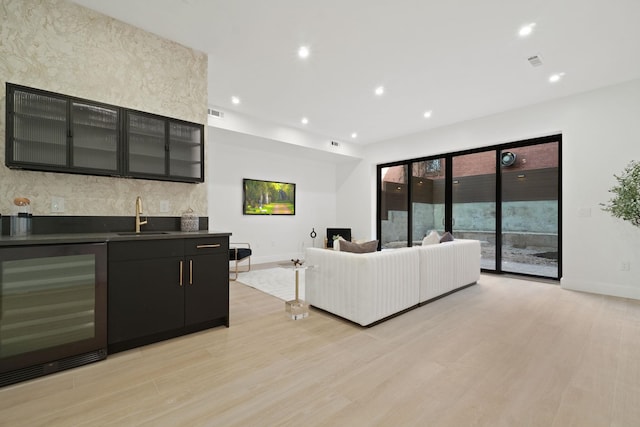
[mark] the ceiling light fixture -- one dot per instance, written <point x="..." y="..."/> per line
<point x="526" y="30"/>
<point x="235" y="100"/>
<point x="354" y="135"/>
<point x="555" y="77"/>
<point x="303" y="52"/>
<point x="427" y="114"/>
<point x="379" y="90"/>
<point x="304" y="120"/>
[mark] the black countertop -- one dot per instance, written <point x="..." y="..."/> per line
<point x="54" y="239"/>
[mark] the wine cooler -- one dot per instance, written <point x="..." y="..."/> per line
<point x="53" y="312"/>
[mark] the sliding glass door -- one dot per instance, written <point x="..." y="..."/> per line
<point x="473" y="197"/>
<point x="530" y="209"/>
<point x="506" y="196"/>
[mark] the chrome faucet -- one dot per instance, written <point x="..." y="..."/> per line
<point x="138" y="213"/>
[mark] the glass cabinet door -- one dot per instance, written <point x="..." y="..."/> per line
<point x="39" y="131"/>
<point x="185" y="150"/>
<point x="95" y="131"/>
<point x="146" y="144"/>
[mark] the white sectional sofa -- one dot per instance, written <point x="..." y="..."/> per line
<point x="366" y="288"/>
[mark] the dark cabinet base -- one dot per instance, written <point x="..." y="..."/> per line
<point x="161" y="289"/>
<point x="162" y="336"/>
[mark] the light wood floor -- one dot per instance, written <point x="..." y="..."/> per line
<point x="505" y="352"/>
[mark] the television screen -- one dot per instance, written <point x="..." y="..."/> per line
<point x="268" y="197"/>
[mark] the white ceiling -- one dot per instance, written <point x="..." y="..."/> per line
<point x="461" y="59"/>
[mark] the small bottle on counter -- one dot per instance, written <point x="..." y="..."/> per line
<point x="20" y="223"/>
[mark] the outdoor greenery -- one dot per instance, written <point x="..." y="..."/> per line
<point x="626" y="201"/>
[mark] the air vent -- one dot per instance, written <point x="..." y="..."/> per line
<point x="215" y="113"/>
<point x="535" y="60"/>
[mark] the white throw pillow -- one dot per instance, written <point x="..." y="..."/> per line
<point x="336" y="243"/>
<point x="432" y="238"/>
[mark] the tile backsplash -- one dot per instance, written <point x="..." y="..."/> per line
<point x="62" y="47"/>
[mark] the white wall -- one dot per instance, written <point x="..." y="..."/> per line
<point x="601" y="133"/>
<point x="233" y="156"/>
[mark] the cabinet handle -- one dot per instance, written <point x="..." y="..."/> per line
<point x="180" y="273"/>
<point x="191" y="272"/>
<point x="207" y="246"/>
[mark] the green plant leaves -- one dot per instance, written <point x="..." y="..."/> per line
<point x="625" y="203"/>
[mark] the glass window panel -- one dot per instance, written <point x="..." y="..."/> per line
<point x="474" y="202"/>
<point x="394" y="206"/>
<point x="428" y="195"/>
<point x="530" y="209"/>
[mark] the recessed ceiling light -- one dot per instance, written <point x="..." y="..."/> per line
<point x="379" y="90"/>
<point x="303" y="52"/>
<point x="526" y="30"/>
<point x="304" y="120"/>
<point x="235" y="100"/>
<point x="354" y="135"/>
<point x="555" y="77"/>
<point x="427" y="114"/>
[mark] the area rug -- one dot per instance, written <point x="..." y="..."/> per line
<point x="279" y="282"/>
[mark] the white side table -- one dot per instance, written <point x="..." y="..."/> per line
<point x="296" y="308"/>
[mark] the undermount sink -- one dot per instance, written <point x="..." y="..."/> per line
<point x="141" y="233"/>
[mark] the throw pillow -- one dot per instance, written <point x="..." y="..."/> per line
<point x="432" y="238"/>
<point x="336" y="243"/>
<point x="359" y="248"/>
<point x="446" y="237"/>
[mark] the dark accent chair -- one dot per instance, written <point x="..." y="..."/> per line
<point x="239" y="252"/>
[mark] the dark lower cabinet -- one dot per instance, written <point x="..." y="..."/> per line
<point x="203" y="297"/>
<point x="159" y="289"/>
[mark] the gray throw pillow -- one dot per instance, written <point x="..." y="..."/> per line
<point x="446" y="237"/>
<point x="359" y="248"/>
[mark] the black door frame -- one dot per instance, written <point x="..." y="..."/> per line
<point x="448" y="157"/>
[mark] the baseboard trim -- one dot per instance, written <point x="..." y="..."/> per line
<point x="610" y="289"/>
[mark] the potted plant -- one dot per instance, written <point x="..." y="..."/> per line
<point x="625" y="203"/>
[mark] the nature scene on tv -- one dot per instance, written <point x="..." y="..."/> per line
<point x="269" y="198"/>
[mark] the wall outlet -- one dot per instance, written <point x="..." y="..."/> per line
<point x="57" y="204"/>
<point x="625" y="266"/>
<point x="164" y="206"/>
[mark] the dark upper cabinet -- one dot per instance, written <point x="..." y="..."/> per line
<point x="47" y="131"/>
<point x="163" y="148"/>
<point x="58" y="133"/>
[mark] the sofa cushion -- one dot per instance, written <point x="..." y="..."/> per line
<point x="446" y="237"/>
<point x="359" y="248"/>
<point x="432" y="238"/>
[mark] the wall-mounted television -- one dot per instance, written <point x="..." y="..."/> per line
<point x="268" y="197"/>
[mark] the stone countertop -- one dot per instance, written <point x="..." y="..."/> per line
<point x="53" y="239"/>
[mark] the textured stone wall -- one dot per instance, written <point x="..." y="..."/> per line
<point x="58" y="46"/>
